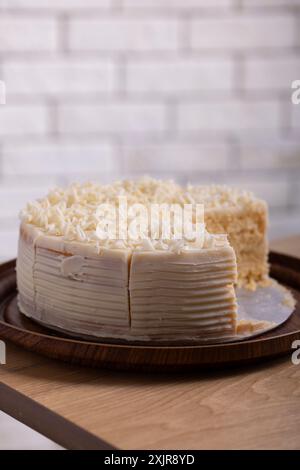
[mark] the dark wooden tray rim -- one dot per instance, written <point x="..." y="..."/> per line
<point x="126" y="356"/>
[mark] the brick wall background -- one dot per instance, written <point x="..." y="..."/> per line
<point x="198" y="90"/>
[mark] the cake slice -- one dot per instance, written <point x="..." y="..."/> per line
<point x="71" y="286"/>
<point x="190" y="294"/>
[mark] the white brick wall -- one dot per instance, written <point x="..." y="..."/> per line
<point x="123" y="34"/>
<point x="57" y="158"/>
<point x="60" y="5"/>
<point x="281" y="153"/>
<point x="180" y="76"/>
<point x="270" y="3"/>
<point x="176" y="4"/>
<point x="168" y="157"/>
<point x="59" y="76"/>
<point x="271" y="73"/>
<point x="198" y="90"/>
<point x="233" y="115"/>
<point x="27" y="33"/>
<point x="244" y="31"/>
<point x="24" y="120"/>
<point x="115" y="118"/>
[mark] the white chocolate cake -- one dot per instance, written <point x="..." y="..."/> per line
<point x="71" y="279"/>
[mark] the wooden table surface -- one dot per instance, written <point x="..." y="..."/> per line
<point x="256" y="407"/>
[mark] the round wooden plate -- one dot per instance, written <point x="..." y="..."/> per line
<point x="24" y="332"/>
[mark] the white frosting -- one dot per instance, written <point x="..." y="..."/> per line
<point x="72" y="266"/>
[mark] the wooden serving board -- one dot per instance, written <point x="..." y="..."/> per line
<point x="24" y="332"/>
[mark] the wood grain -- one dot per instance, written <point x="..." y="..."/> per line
<point x="256" y="407"/>
<point x="249" y="407"/>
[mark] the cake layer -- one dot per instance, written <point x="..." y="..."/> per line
<point x="244" y="218"/>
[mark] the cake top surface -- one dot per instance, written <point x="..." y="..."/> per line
<point x="73" y="213"/>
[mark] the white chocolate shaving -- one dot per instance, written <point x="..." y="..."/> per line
<point x="71" y="213"/>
